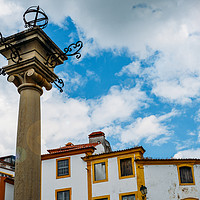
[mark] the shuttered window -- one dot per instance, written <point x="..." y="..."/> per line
<point x="186" y="174"/>
<point x="126" y="167"/>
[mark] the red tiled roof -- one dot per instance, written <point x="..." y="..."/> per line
<point x="96" y="134"/>
<point x="140" y="148"/>
<point x="71" y="147"/>
<point x="167" y="161"/>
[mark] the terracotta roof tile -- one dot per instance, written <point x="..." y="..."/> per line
<point x="96" y="134"/>
<point x="167" y="159"/>
<point x="122" y="150"/>
<point x="72" y="147"/>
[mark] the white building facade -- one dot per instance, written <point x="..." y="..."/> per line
<point x="93" y="171"/>
<point x="170" y="179"/>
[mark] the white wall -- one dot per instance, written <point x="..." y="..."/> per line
<point x="77" y="181"/>
<point x="9" y="191"/>
<point x="114" y="186"/>
<point x="162" y="183"/>
<point x="99" y="149"/>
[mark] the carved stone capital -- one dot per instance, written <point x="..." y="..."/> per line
<point x="29" y="80"/>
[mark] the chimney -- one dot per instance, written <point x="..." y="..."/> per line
<point x="99" y="136"/>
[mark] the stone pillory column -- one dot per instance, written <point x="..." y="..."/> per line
<point x="29" y="75"/>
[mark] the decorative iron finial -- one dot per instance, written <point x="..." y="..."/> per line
<point x="35" y="16"/>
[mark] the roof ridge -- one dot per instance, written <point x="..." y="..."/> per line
<point x="70" y="147"/>
<point x="160" y="159"/>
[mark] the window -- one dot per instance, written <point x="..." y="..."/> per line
<point x="63" y="168"/>
<point x="186" y="176"/>
<point x="100" y="171"/>
<point x="107" y="197"/>
<point x="63" y="194"/>
<point x="128" y="196"/>
<point x="126" y="167"/>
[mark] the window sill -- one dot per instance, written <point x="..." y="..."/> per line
<point x="66" y="176"/>
<point x="124" y="177"/>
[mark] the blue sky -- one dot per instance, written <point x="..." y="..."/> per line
<point x="138" y="79"/>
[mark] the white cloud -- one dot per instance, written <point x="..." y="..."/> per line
<point x="171" y="27"/>
<point x="133" y="68"/>
<point x="10" y="16"/>
<point x="190" y="153"/>
<point x="65" y="118"/>
<point x="72" y="80"/>
<point x="191" y="133"/>
<point x="8" y="115"/>
<point x="92" y="75"/>
<point x="184" y="144"/>
<point x="118" y="105"/>
<point x="175" y="80"/>
<point x="149" y="128"/>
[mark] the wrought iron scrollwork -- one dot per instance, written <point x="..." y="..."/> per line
<point x="15" y="56"/>
<point x="53" y="59"/>
<point x="72" y="50"/>
<point x="2" y="72"/>
<point x="59" y="84"/>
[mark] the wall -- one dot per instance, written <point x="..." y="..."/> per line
<point x="162" y="183"/>
<point x="99" y="149"/>
<point x="77" y="181"/>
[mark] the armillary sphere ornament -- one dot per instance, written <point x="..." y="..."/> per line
<point x="35" y="16"/>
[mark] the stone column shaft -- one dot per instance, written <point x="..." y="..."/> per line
<point x="28" y="153"/>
